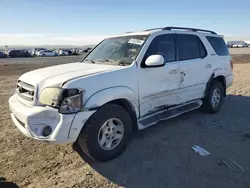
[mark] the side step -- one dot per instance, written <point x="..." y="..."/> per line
<point x="168" y="113"/>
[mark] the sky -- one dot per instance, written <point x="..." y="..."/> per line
<point x="81" y="22"/>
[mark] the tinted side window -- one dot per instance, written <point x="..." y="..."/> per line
<point x="188" y="47"/>
<point x="163" y="45"/>
<point x="218" y="45"/>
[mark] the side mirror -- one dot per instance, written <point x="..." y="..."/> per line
<point x="155" y="61"/>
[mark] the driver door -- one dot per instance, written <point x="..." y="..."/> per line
<point x="159" y="86"/>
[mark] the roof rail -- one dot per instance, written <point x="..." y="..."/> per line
<point x="153" y="29"/>
<point x="190" y="29"/>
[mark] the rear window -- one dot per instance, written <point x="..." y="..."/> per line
<point x="218" y="45"/>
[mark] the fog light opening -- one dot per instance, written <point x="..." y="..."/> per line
<point x="47" y="131"/>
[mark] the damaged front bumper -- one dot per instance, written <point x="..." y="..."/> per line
<point x="32" y="120"/>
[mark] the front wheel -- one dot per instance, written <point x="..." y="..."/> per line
<point x="107" y="133"/>
<point x="213" y="101"/>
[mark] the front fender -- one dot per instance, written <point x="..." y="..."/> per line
<point x="98" y="99"/>
<point x="109" y="94"/>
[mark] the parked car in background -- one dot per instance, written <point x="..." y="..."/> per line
<point x="245" y="45"/>
<point x="48" y="53"/>
<point x="87" y="49"/>
<point x="18" y="53"/>
<point x="74" y="52"/>
<point x="2" y="55"/>
<point x="69" y="52"/>
<point x="230" y="45"/>
<point x="30" y="51"/>
<point x="56" y="51"/>
<point x="63" y="52"/>
<point x="240" y="45"/>
<point x="36" y="50"/>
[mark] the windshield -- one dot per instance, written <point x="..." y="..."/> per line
<point x="119" y="50"/>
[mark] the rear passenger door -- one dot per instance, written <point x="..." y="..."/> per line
<point x="194" y="66"/>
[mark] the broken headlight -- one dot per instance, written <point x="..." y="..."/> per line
<point x="66" y="100"/>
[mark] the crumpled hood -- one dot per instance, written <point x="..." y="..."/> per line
<point x="59" y="74"/>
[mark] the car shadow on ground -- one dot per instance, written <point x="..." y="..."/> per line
<point x="161" y="156"/>
<point x="6" y="184"/>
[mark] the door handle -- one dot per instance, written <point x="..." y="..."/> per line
<point x="208" y="66"/>
<point x="173" y="71"/>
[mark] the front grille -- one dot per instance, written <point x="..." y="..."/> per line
<point x="26" y="91"/>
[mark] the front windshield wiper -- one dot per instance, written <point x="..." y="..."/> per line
<point x="106" y="60"/>
<point x="88" y="60"/>
<point x="122" y="63"/>
<point x="109" y="61"/>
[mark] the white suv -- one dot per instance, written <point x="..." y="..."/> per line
<point x="127" y="83"/>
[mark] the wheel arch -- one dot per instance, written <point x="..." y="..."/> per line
<point x="218" y="77"/>
<point x="122" y="96"/>
<point x="222" y="80"/>
<point x="129" y="108"/>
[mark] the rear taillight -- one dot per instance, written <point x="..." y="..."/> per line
<point x="231" y="63"/>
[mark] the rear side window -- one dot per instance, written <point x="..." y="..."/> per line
<point x="218" y="45"/>
<point x="190" y="47"/>
<point x="163" y="45"/>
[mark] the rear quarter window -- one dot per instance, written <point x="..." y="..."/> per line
<point x="218" y="45"/>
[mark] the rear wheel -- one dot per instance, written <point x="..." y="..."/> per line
<point x="213" y="101"/>
<point x="107" y="133"/>
<point x="43" y="55"/>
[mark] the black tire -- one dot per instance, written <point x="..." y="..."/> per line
<point x="207" y="102"/>
<point x="43" y="55"/>
<point x="88" y="138"/>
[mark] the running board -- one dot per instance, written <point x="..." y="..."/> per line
<point x="168" y="113"/>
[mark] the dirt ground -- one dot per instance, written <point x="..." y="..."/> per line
<point x="160" y="156"/>
<point x="236" y="51"/>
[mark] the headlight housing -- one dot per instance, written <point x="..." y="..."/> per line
<point x="71" y="104"/>
<point x="50" y="96"/>
<point x="66" y="100"/>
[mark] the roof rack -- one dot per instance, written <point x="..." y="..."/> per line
<point x="190" y="29"/>
<point x="180" y="28"/>
<point x="153" y="29"/>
